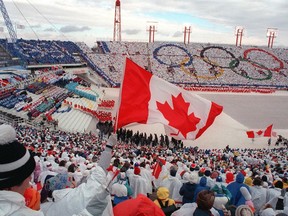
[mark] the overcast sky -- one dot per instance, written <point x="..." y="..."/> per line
<point x="211" y="21"/>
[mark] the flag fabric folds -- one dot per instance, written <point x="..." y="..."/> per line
<point x="158" y="167"/>
<point x="268" y="131"/>
<point x="141" y="205"/>
<point x="261" y="133"/>
<point x="147" y="99"/>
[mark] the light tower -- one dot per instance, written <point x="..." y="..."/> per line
<point x="151" y="29"/>
<point x="187" y="32"/>
<point x="239" y="30"/>
<point x="117" y="22"/>
<point x="271" y="34"/>
<point x="8" y="22"/>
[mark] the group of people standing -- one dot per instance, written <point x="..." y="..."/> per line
<point x="109" y="177"/>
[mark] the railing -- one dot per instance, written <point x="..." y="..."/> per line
<point x="10" y="119"/>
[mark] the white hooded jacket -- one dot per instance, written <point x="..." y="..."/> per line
<point x="68" y="202"/>
<point x="72" y="201"/>
<point x="13" y="204"/>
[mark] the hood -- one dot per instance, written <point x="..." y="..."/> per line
<point x="162" y="193"/>
<point x="203" y="181"/>
<point x="248" y="181"/>
<point x="219" y="202"/>
<point x="229" y="177"/>
<point x="141" y="205"/>
<point x="193" y="178"/>
<point x="240" y="178"/>
<point x="268" y="212"/>
<point x="59" y="194"/>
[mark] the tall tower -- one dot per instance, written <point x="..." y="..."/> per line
<point x="8" y="22"/>
<point x="239" y="32"/>
<point x="152" y="28"/>
<point x="187" y="32"/>
<point x="152" y="31"/>
<point x="272" y="33"/>
<point x="117" y="22"/>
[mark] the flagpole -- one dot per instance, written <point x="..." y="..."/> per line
<point x="120" y="93"/>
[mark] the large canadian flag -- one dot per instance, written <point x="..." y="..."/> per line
<point x="147" y="99"/>
<point x="262" y="133"/>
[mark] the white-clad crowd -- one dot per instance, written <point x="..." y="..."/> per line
<point x="81" y="174"/>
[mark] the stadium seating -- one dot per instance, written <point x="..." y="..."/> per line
<point x="191" y="64"/>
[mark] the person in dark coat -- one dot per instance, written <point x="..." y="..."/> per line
<point x="201" y="186"/>
<point x="188" y="189"/>
<point x="234" y="188"/>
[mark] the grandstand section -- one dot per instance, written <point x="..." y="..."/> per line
<point x="250" y="82"/>
<point x="198" y="64"/>
<point x="183" y="64"/>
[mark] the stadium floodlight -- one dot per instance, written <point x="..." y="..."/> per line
<point x="117" y="21"/>
<point x="187" y="33"/>
<point x="272" y="33"/>
<point x="239" y="32"/>
<point x="152" y="28"/>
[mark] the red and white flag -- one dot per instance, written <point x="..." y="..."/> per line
<point x="158" y="167"/>
<point x="147" y="99"/>
<point x="261" y="133"/>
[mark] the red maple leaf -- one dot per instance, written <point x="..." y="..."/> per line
<point x="178" y="117"/>
<point x="259" y="132"/>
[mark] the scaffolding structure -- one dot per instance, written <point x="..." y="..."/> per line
<point x="8" y="22"/>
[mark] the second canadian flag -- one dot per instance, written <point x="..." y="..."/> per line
<point x="261" y="133"/>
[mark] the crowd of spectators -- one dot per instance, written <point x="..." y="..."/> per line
<point x="194" y="64"/>
<point x="141" y="164"/>
<point x="187" y="64"/>
<point x="33" y="52"/>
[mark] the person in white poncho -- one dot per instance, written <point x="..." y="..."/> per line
<point x="16" y="166"/>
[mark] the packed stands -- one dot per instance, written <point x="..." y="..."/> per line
<point x="44" y="94"/>
<point x="33" y="52"/>
<point x="198" y="64"/>
<point x="188" y="65"/>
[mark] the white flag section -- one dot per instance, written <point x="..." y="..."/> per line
<point x="183" y="114"/>
<point x="147" y="99"/>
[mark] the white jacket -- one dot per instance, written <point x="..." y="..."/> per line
<point x="13" y="204"/>
<point x="173" y="184"/>
<point x="70" y="202"/>
<point x="188" y="210"/>
<point x="272" y="193"/>
<point x="138" y="185"/>
<point x="147" y="174"/>
<point x="258" y="194"/>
